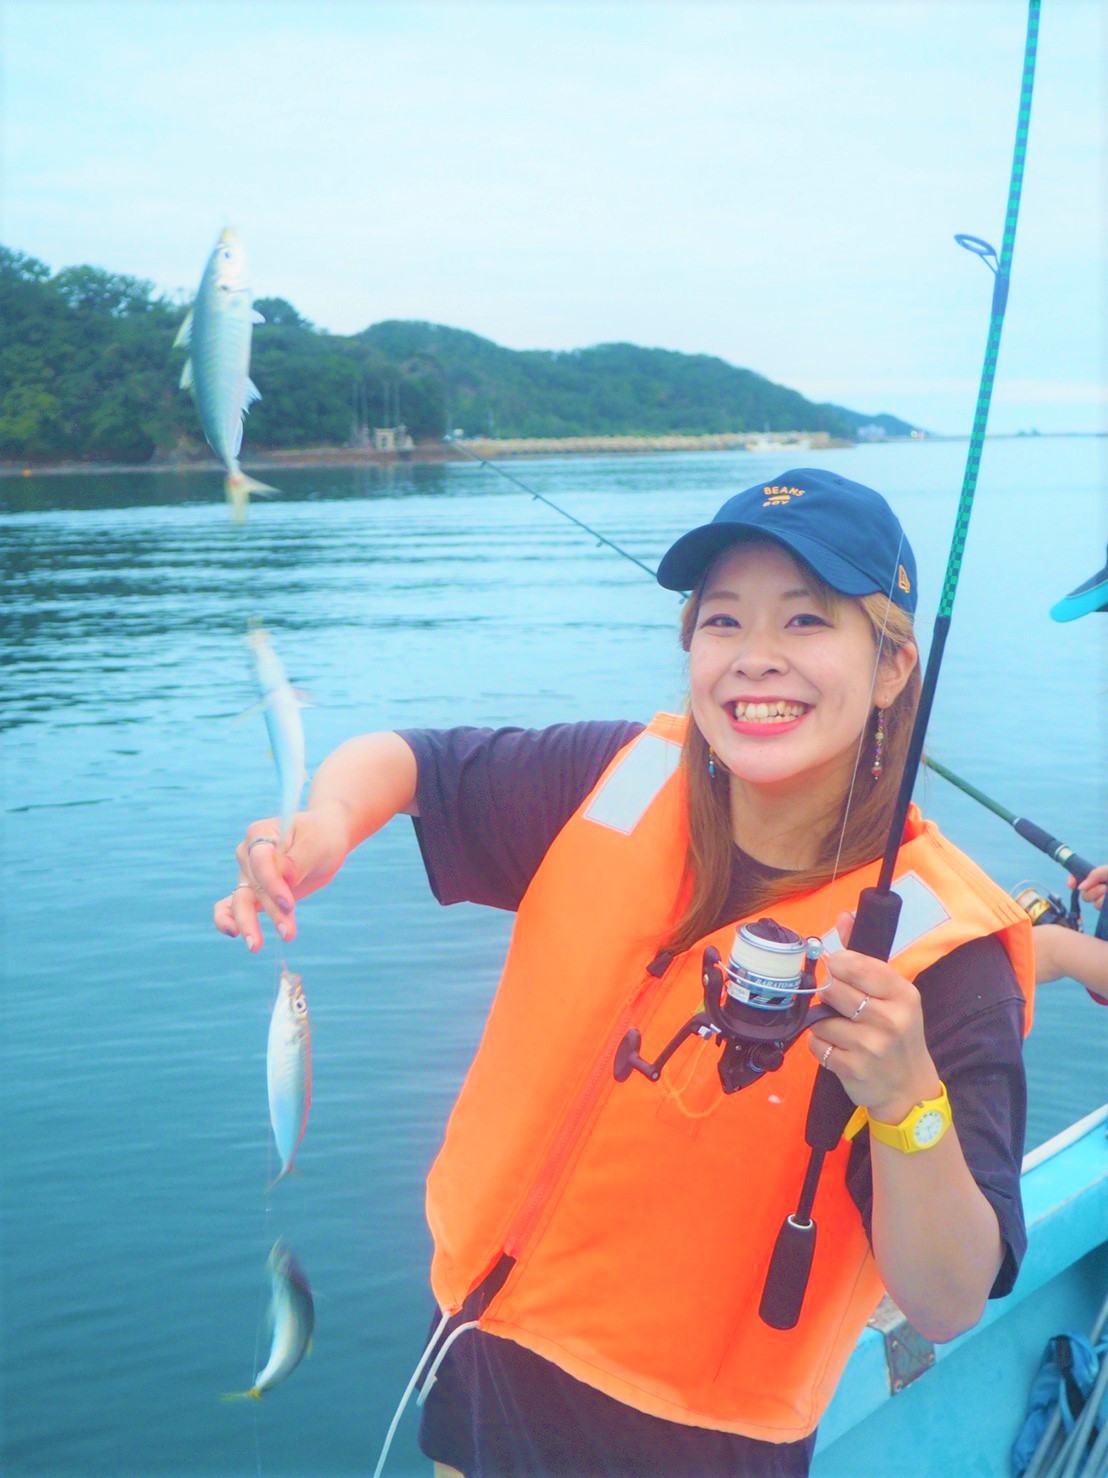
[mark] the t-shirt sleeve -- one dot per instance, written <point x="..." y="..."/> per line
<point x="973" y="1021"/>
<point x="491" y="801"/>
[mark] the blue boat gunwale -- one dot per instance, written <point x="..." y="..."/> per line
<point x="1065" y="1196"/>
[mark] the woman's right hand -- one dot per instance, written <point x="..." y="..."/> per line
<point x="275" y="872"/>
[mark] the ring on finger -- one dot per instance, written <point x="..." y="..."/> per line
<point x="260" y="841"/>
<point x="237" y="886"/>
<point x="826" y="1054"/>
<point x="862" y="1004"/>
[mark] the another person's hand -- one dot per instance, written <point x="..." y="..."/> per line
<point x="1095" y="886"/>
<point x="877" y="1046"/>
<point x="275" y="872"/>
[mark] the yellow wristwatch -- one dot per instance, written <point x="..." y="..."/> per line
<point x="921" y="1128"/>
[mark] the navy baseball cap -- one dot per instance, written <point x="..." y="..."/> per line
<point x="846" y="532"/>
<point x="1091" y="596"/>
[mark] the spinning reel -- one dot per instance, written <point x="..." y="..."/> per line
<point x="756" y="1006"/>
<point x="1048" y="908"/>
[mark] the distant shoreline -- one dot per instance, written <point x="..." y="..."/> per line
<point x="488" y="449"/>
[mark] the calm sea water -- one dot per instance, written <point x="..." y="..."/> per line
<point x="136" y="1145"/>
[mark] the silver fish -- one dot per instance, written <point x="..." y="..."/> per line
<point x="217" y="332"/>
<point x="288" y="1069"/>
<point x="281" y="706"/>
<point x="292" y="1315"/>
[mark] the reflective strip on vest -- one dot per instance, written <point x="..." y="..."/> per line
<point x="623" y="798"/>
<point x="921" y="911"/>
<point x="638" y="777"/>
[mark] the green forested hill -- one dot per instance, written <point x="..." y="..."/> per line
<point x="87" y="370"/>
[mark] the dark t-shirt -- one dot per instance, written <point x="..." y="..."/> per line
<point x="491" y="802"/>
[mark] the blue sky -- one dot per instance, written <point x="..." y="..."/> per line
<point x="773" y="181"/>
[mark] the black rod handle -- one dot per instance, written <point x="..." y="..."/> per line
<point x="1053" y="848"/>
<point x="875" y="923"/>
<point x="789" y="1270"/>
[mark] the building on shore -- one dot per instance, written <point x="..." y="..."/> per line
<point x="392" y="439"/>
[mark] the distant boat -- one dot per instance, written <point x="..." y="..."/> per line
<point x="773" y="446"/>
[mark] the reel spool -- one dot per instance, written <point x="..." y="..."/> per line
<point x="1048" y="908"/>
<point x="757" y="1006"/>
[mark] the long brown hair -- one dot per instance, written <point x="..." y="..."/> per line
<point x="849" y="840"/>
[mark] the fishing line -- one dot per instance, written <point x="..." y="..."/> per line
<point x="542" y="498"/>
<point x="261" y="1318"/>
<point x="862" y="736"/>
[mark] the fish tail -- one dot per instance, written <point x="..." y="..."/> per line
<point x="286" y="1170"/>
<point x="239" y="487"/>
<point x="253" y="1394"/>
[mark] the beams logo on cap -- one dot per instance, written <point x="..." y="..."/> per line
<point x="777" y="497"/>
<point x="845" y="531"/>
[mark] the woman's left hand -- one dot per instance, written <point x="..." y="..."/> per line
<point x="878" y="1051"/>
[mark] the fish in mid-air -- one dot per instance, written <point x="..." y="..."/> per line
<point x="281" y="705"/>
<point x="292" y="1315"/>
<point x="288" y="1069"/>
<point x="217" y="333"/>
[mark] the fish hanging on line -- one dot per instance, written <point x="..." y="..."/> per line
<point x="292" y="1316"/>
<point x="281" y="705"/>
<point x="217" y="333"/>
<point x="288" y="1070"/>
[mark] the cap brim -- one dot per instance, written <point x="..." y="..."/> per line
<point x="1089" y="597"/>
<point x="684" y="563"/>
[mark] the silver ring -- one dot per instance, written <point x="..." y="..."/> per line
<point x="862" y="1004"/>
<point x="260" y="841"/>
<point x="237" y="886"/>
<point x="826" y="1055"/>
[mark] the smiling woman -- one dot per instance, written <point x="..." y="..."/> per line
<point x="765" y="631"/>
<point x="603" y="837"/>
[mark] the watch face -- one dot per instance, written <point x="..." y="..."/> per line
<point x="928" y="1127"/>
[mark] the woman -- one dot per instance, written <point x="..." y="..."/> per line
<point x="603" y="1245"/>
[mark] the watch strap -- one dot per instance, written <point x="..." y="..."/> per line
<point x="922" y="1127"/>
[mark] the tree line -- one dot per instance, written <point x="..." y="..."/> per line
<point x="88" y="372"/>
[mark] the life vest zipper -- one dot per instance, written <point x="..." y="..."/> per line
<point x="600" y="1075"/>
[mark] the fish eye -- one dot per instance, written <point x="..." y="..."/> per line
<point x="299" y="1005"/>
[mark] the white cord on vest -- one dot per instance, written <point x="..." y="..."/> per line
<point x="407" y="1396"/>
<point x="432" y="1374"/>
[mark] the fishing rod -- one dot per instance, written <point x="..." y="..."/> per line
<point x="1057" y="851"/>
<point x="879" y="907"/>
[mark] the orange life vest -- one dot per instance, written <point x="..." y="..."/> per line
<point x="642" y="1215"/>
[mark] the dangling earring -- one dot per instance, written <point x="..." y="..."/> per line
<point x="711" y="764"/>
<point x="878" y="746"/>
